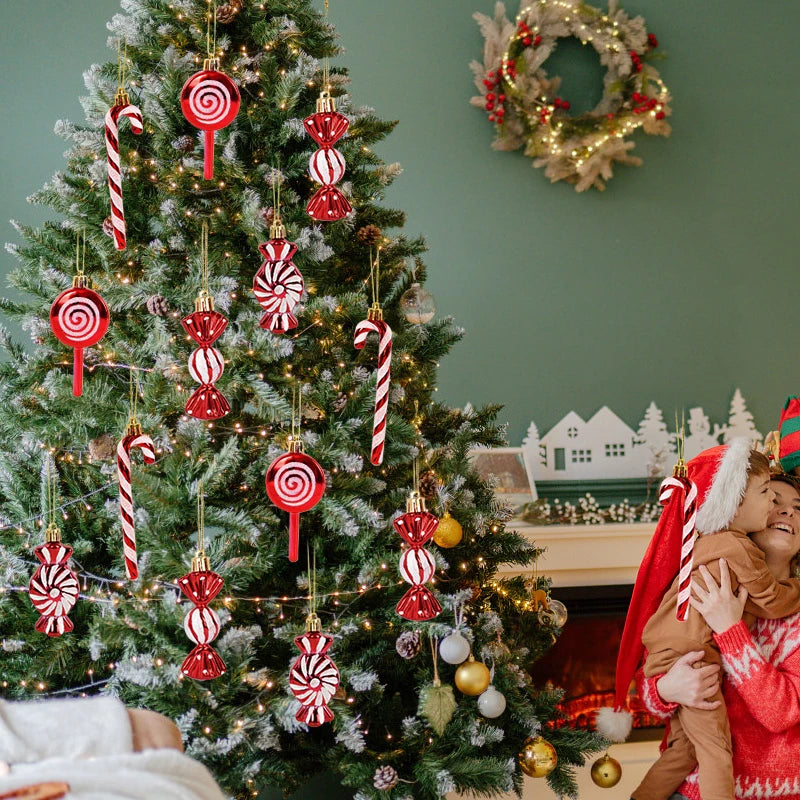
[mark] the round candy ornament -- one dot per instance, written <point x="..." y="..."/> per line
<point x="54" y="587"/>
<point x="79" y="318"/>
<point x="210" y="100"/>
<point x="454" y="648"/>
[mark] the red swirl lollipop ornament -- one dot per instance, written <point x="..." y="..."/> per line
<point x="314" y="678"/>
<point x="210" y="101"/>
<point x="79" y="318"/>
<point x="295" y="483"/>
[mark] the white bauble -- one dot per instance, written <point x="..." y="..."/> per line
<point x="492" y="703"/>
<point x="454" y="649"/>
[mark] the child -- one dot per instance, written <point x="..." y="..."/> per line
<point x="734" y="498"/>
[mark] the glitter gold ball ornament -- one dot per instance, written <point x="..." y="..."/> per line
<point x="606" y="772"/>
<point x="473" y="677"/>
<point x="537" y="758"/>
<point x="417" y="304"/>
<point x="449" y="532"/>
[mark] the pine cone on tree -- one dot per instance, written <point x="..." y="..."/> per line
<point x="103" y="448"/>
<point x="268" y="215"/>
<point x="184" y="144"/>
<point x="227" y="13"/>
<point x="340" y="402"/>
<point x="108" y="227"/>
<point x="428" y="484"/>
<point x="157" y="305"/>
<point x="369" y="234"/>
<point x="408" y="644"/>
<point x="385" y="778"/>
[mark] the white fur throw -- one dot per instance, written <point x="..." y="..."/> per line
<point x="88" y="744"/>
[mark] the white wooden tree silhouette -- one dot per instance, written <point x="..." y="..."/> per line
<point x="740" y="420"/>
<point x="659" y="443"/>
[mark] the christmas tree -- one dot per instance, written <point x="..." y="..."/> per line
<point x="192" y="244"/>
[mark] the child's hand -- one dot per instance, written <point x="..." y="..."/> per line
<point x="689" y="685"/>
<point x="717" y="603"/>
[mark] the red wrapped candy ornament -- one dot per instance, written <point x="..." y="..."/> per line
<point x="417" y="566"/>
<point x="79" y="318"/>
<point x="210" y="100"/>
<point x="54" y="588"/>
<point x="201" y="624"/>
<point x="314" y="678"/>
<point x="278" y="284"/>
<point x="326" y="166"/>
<point x="295" y="483"/>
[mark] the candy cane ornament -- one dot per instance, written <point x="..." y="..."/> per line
<point x="375" y="324"/>
<point x="132" y="439"/>
<point x="679" y="482"/>
<point x="54" y="587"/>
<point x="122" y="108"/>
<point x="326" y="166"/>
<point x="314" y="678"/>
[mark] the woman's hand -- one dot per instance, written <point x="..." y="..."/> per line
<point x="720" y="607"/>
<point x="688" y="685"/>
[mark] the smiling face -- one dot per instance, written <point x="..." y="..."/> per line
<point x="780" y="540"/>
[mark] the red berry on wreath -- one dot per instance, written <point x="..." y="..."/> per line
<point x="660" y="115"/>
<point x="490" y="96"/>
<point x="491" y="117"/>
<point x="490" y="106"/>
<point x="609" y="116"/>
<point x="487" y="83"/>
<point x="537" y="41"/>
<point x="527" y="41"/>
<point x="501" y="98"/>
<point x="565" y="105"/>
<point x="652" y="41"/>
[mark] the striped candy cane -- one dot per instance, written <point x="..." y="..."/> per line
<point x="121" y="108"/>
<point x="363" y="329"/>
<point x="129" y="441"/>
<point x="689" y="491"/>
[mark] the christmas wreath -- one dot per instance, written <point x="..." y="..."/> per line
<point x="522" y="101"/>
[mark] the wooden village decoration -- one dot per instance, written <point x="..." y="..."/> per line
<point x="605" y="448"/>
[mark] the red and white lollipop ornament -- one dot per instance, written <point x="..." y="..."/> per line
<point x="295" y="483"/>
<point x="79" y="318"/>
<point x="210" y="100"/>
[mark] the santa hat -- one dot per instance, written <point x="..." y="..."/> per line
<point x="720" y="476"/>
<point x="789" y="452"/>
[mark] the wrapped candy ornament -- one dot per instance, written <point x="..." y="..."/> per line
<point x="314" y="678"/>
<point x="278" y="284"/>
<point x="54" y="588"/>
<point x="417" y="566"/>
<point x="326" y="166"/>
<point x="201" y="624"/>
<point x="206" y="364"/>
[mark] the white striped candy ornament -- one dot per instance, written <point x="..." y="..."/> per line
<point x="133" y="439"/>
<point x="327" y="165"/>
<point x="417" y="566"/>
<point x="375" y="324"/>
<point x="278" y="284"/>
<point x="201" y="624"/>
<point x="314" y="678"/>
<point x="206" y="365"/>
<point x="122" y="108"/>
<point x="54" y="587"/>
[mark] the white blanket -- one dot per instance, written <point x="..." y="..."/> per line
<point x="88" y="744"/>
<point x="162" y="774"/>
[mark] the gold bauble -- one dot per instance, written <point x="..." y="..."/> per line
<point x="537" y="758"/>
<point x="473" y="677"/>
<point x="606" y="771"/>
<point x="448" y="531"/>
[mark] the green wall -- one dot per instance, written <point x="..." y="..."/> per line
<point x="676" y="284"/>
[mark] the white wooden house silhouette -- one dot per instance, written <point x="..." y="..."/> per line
<point x="574" y="449"/>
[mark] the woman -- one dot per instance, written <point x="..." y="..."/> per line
<point x="761" y="667"/>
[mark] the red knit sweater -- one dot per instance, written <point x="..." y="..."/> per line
<point x="762" y="693"/>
